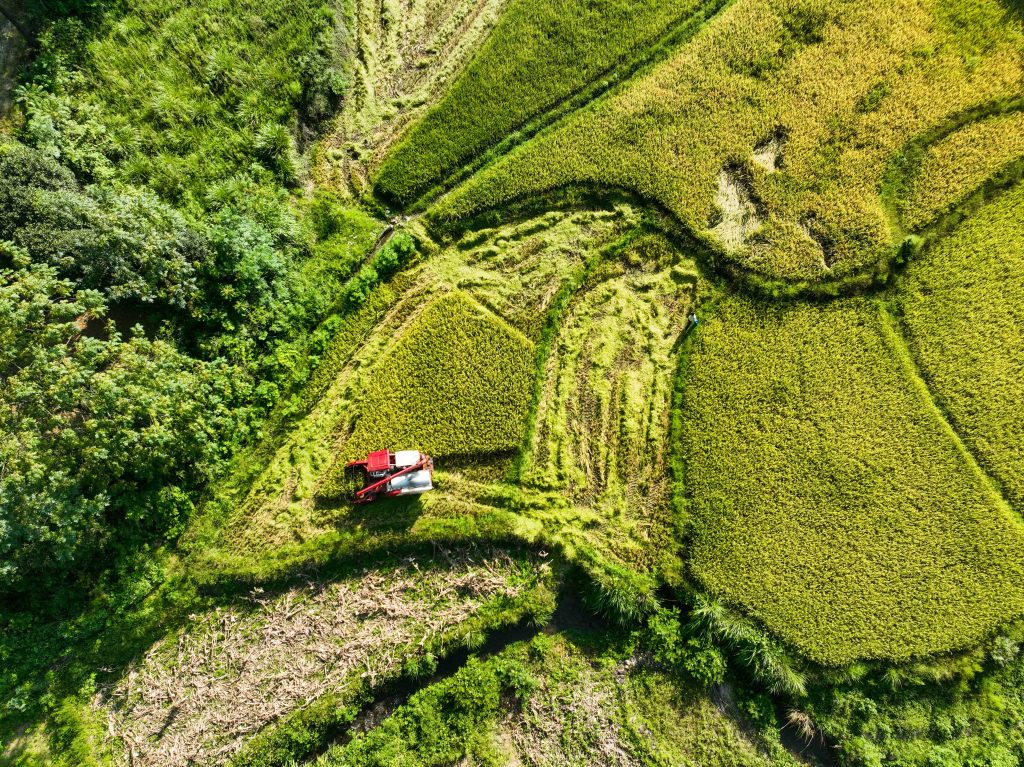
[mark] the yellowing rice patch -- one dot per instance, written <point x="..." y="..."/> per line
<point x="830" y="500"/>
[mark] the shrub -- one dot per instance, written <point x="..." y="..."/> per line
<point x="440" y="724"/>
<point x="692" y="656"/>
<point x="102" y="440"/>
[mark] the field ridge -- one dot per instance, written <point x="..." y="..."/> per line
<point x="601" y="86"/>
<point x="896" y="339"/>
<point x="903" y="167"/>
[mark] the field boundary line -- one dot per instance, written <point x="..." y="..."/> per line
<point x="898" y="176"/>
<point x="894" y="338"/>
<point x="604" y="84"/>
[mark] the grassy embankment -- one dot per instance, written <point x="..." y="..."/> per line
<point x="559" y="700"/>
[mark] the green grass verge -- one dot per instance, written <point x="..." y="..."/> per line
<point x="556" y="700"/>
<point x="539" y="54"/>
<point x="830" y="499"/>
<point x="926" y="717"/>
<point x="962" y="306"/>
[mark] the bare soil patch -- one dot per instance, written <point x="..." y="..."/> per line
<point x="195" y="698"/>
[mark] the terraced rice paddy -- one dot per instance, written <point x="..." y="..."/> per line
<point x="500" y="284"/>
<point x="538" y="55"/>
<point x="962" y="306"/>
<point x="824" y="484"/>
<point x="197" y="697"/>
<point x="847" y="84"/>
<point x="830" y="498"/>
<point x="958" y="164"/>
<point x="821" y="483"/>
<point x="825" y="487"/>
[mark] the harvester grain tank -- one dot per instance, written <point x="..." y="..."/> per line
<point x="387" y="474"/>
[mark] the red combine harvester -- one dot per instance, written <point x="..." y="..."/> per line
<point x="385" y="475"/>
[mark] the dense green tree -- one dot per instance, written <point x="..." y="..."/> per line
<point x="101" y="441"/>
<point x="125" y="242"/>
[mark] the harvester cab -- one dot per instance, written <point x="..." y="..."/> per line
<point x="386" y="474"/>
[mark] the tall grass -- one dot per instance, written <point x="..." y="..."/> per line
<point x="191" y="94"/>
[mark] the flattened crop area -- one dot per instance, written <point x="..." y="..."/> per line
<point x="601" y="434"/>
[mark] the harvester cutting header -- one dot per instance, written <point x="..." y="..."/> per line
<point x="386" y="474"/>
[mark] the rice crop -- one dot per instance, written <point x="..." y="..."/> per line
<point x="306" y="658"/>
<point x="830" y="499"/>
<point x="539" y="53"/>
<point x="602" y="426"/>
<point x="962" y="309"/>
<point x="516" y="271"/>
<point x="409" y="53"/>
<point x="456" y="382"/>
<point x="958" y="164"/>
<point x="841" y="87"/>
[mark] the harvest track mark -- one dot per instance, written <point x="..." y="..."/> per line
<point x="401" y="66"/>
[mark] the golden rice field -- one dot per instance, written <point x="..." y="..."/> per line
<point x="791" y="532"/>
<point x="843" y="85"/>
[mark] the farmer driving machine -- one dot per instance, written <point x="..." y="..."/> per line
<point x="384" y="474"/>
